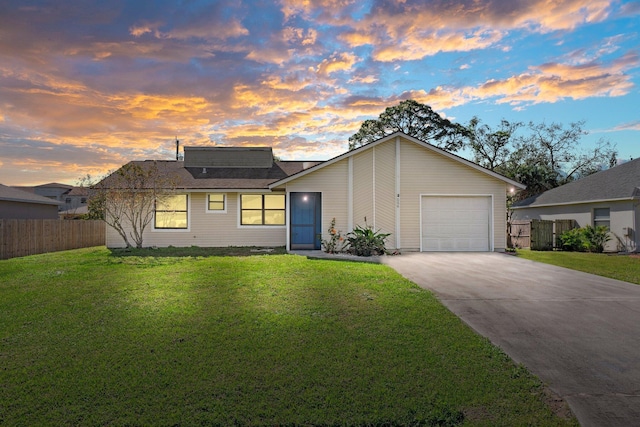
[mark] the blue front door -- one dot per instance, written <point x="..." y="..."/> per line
<point x="305" y="220"/>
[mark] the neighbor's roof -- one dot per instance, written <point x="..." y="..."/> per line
<point x="55" y="185"/>
<point x="215" y="178"/>
<point x="79" y="191"/>
<point x="409" y="138"/>
<point x="32" y="189"/>
<point x="11" y="194"/>
<point x="620" y="182"/>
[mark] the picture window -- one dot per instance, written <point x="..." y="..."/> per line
<point x="262" y="209"/>
<point x="171" y="212"/>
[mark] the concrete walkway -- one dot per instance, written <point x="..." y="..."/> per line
<point x="579" y="333"/>
<point x="318" y="254"/>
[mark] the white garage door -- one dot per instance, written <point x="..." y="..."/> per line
<point x="455" y="223"/>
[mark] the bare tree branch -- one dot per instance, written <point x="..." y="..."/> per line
<point x="128" y="197"/>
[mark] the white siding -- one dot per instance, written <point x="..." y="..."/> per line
<point x="385" y="175"/>
<point x="207" y="229"/>
<point x="363" y="188"/>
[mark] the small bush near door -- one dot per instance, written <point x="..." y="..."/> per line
<point x="364" y="241"/>
<point x="586" y="239"/>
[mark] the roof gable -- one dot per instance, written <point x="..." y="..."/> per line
<point x="408" y="138"/>
<point x="618" y="182"/>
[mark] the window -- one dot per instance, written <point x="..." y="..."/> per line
<point x="601" y="217"/>
<point x="171" y="212"/>
<point x="262" y="209"/>
<point x="83" y="200"/>
<point x="216" y="203"/>
<point x="67" y="200"/>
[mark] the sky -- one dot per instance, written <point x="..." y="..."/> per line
<point x="87" y="86"/>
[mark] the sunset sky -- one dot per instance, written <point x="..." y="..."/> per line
<point x="86" y="86"/>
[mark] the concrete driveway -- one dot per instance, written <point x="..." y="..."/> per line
<point x="579" y="333"/>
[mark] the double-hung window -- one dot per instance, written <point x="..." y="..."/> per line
<point x="216" y="202"/>
<point x="262" y="209"/>
<point x="171" y="212"/>
<point x="601" y="216"/>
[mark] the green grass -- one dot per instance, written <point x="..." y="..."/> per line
<point x="197" y="251"/>
<point x="89" y="337"/>
<point x="620" y="267"/>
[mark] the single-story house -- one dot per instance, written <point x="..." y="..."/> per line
<point x="610" y="197"/>
<point x="18" y="204"/>
<point x="427" y="198"/>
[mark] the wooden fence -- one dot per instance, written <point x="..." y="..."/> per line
<point x="539" y="235"/>
<point x="21" y="237"/>
<point x="519" y="234"/>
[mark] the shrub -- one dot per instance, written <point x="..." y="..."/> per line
<point x="586" y="239"/>
<point x="335" y="242"/>
<point x="574" y="240"/>
<point x="364" y="241"/>
<point x="597" y="237"/>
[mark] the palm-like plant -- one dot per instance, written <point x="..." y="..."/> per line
<point x="364" y="241"/>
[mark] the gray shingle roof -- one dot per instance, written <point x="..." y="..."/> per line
<point x="15" y="195"/>
<point x="55" y="185"/>
<point x="78" y="191"/>
<point x="225" y="178"/>
<point x="619" y="182"/>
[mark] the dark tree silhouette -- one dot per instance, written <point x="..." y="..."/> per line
<point x="414" y="119"/>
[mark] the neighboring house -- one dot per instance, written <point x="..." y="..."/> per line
<point x="75" y="201"/>
<point x="75" y="213"/>
<point x="427" y="198"/>
<point x="18" y="204"/>
<point x="70" y="197"/>
<point x="610" y="198"/>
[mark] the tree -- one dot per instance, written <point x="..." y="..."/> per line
<point x="95" y="204"/>
<point x="549" y="156"/>
<point x="127" y="198"/>
<point x="414" y="119"/>
<point x="491" y="148"/>
<point x="556" y="148"/>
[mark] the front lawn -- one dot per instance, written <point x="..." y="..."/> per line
<point x="91" y="338"/>
<point x="620" y="267"/>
